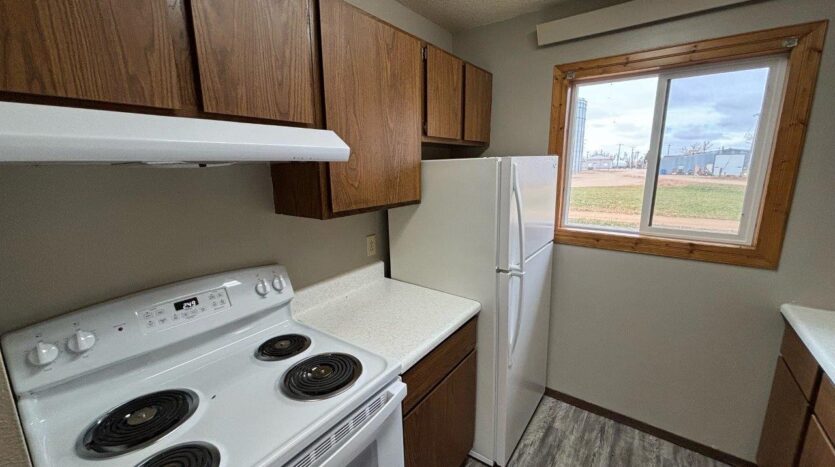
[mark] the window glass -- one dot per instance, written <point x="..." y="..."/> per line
<point x="707" y="150"/>
<point x="611" y="127"/>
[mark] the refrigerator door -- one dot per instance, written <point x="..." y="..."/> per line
<point x="528" y="198"/>
<point x="524" y="315"/>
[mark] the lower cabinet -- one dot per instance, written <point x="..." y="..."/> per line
<point x="785" y="420"/>
<point x="439" y="409"/>
<point x="817" y="449"/>
<point x="439" y="431"/>
<point x="799" y="426"/>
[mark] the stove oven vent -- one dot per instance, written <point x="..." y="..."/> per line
<point x="319" y="450"/>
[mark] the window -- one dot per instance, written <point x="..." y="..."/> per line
<point x="680" y="154"/>
<point x="689" y="151"/>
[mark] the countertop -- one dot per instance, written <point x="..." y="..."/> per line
<point x="816" y="328"/>
<point x="397" y="320"/>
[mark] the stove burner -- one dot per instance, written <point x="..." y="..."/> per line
<point x="138" y="423"/>
<point x="281" y="347"/>
<point x="185" y="455"/>
<point x="321" y="376"/>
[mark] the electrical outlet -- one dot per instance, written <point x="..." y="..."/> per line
<point x="371" y="245"/>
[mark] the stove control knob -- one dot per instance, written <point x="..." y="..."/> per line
<point x="43" y="354"/>
<point x="262" y="287"/>
<point x="81" y="341"/>
<point x="278" y="283"/>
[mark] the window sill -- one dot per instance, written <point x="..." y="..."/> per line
<point x="756" y="256"/>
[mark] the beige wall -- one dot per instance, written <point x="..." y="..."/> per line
<point x="407" y="20"/>
<point x="686" y="346"/>
<point x="74" y="236"/>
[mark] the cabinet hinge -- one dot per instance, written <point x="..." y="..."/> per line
<point x="424" y="53"/>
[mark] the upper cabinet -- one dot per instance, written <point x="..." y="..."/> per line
<point x="444" y="94"/>
<point x="372" y="78"/>
<point x="372" y="95"/>
<point x="478" y="100"/>
<point x="458" y="100"/>
<point x="256" y="58"/>
<point x="311" y="63"/>
<point x="118" y="51"/>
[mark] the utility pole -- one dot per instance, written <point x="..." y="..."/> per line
<point x="617" y="159"/>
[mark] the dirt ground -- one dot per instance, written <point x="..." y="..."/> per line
<point x="714" y="225"/>
<point x="629" y="177"/>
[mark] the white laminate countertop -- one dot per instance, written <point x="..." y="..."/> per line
<point x="816" y="328"/>
<point x="400" y="321"/>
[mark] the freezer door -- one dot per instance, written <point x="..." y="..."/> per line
<point x="524" y="317"/>
<point x="528" y="196"/>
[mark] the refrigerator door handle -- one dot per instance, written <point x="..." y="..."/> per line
<point x="517" y="196"/>
<point x="520" y="270"/>
<point x="514" y="335"/>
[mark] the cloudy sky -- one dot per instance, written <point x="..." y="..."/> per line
<point x="719" y="108"/>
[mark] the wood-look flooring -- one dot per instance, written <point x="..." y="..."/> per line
<point x="561" y="435"/>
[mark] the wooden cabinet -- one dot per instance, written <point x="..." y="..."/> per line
<point x="257" y="58"/>
<point x="372" y="85"/>
<point x="817" y="449"/>
<point x="803" y="366"/>
<point x="785" y="421"/>
<point x="825" y="406"/>
<point x="478" y="103"/>
<point x="444" y="94"/>
<point x="439" y="409"/>
<point x="439" y="431"/>
<point x="458" y="101"/>
<point x="312" y="63"/>
<point x="800" y="419"/>
<point x="117" y="51"/>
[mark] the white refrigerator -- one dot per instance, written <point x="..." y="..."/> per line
<point x="484" y="230"/>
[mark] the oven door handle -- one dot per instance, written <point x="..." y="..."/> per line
<point x="369" y="432"/>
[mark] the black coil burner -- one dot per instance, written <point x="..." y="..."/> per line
<point x="138" y="423"/>
<point x="185" y="455"/>
<point x="281" y="347"/>
<point x="321" y="376"/>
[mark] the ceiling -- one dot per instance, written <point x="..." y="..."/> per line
<point x="458" y="15"/>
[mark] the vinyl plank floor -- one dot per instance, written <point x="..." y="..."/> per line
<point x="561" y="435"/>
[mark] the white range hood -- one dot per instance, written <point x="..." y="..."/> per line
<point x="39" y="133"/>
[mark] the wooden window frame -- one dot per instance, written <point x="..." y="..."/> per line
<point x="802" y="44"/>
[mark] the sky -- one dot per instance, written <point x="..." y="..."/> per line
<point x="719" y="108"/>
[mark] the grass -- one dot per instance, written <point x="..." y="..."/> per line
<point x="702" y="201"/>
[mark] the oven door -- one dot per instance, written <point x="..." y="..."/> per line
<point x="376" y="442"/>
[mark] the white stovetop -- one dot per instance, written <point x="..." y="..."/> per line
<point x="397" y="320"/>
<point x="816" y="328"/>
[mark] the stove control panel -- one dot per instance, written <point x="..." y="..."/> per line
<point x="87" y="340"/>
<point x="183" y="310"/>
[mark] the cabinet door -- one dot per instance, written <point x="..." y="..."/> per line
<point x="825" y="406"/>
<point x="444" y="94"/>
<point x="116" y="51"/>
<point x="478" y="102"/>
<point x="439" y="431"/>
<point x="785" y="420"/>
<point x="372" y="81"/>
<point x="817" y="449"/>
<point x="256" y="58"/>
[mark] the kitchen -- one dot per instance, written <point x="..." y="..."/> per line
<point x="693" y="363"/>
